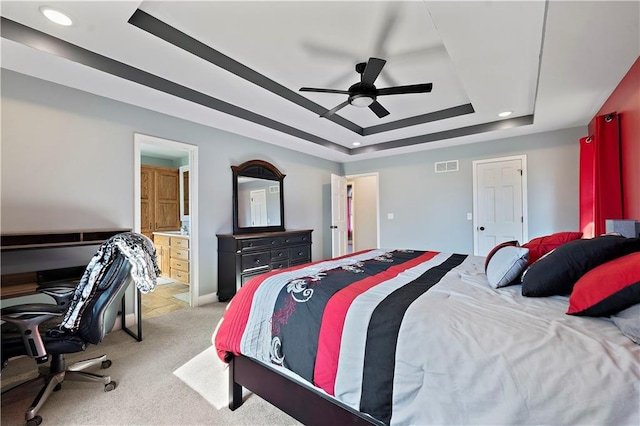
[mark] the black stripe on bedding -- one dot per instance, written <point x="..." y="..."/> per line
<point x="297" y="325"/>
<point x="382" y="338"/>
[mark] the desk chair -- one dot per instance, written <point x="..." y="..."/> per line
<point x="96" y="321"/>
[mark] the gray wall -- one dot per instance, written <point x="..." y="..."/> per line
<point x="67" y="163"/>
<point x="430" y="209"/>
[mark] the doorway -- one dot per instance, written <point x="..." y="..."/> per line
<point x="499" y="202"/>
<point x="355" y="213"/>
<point x="177" y="248"/>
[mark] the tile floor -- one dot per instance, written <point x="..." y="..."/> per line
<point x="161" y="301"/>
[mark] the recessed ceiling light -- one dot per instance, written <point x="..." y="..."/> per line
<point x="505" y="113"/>
<point x="56" y="16"/>
<point x="356" y="144"/>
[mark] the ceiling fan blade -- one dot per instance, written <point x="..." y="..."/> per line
<point x="378" y="109"/>
<point x="335" y="109"/>
<point x="311" y="89"/>
<point x="401" y="90"/>
<point x="328" y="51"/>
<point x="391" y="17"/>
<point x="372" y="70"/>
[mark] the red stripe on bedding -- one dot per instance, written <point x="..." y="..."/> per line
<point x="234" y="321"/>
<point x="333" y="317"/>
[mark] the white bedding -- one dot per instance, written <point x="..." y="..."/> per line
<point x="501" y="358"/>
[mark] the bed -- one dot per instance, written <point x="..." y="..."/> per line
<point x="421" y="337"/>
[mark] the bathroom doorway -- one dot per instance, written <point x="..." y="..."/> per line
<point x="165" y="192"/>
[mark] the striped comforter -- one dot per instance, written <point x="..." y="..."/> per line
<point x="418" y="337"/>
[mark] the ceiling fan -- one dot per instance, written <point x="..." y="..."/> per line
<point x="364" y="93"/>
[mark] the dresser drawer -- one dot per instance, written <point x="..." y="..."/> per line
<point x="180" y="265"/>
<point x="299" y="253"/>
<point x="178" y="253"/>
<point x="296" y="239"/>
<point x="259" y="243"/>
<point x="281" y="264"/>
<point x="180" y="242"/>
<point x="282" y="253"/>
<point x="256" y="260"/>
<point x="181" y="276"/>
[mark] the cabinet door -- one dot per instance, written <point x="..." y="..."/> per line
<point x="167" y="207"/>
<point x="163" y="255"/>
<point x="146" y="200"/>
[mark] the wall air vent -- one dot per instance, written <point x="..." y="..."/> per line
<point x="446" y="166"/>
<point x="274" y="189"/>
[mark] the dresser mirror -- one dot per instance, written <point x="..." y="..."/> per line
<point x="258" y="199"/>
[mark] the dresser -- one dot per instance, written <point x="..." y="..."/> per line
<point x="243" y="256"/>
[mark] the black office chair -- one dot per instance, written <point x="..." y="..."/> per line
<point x="96" y="321"/>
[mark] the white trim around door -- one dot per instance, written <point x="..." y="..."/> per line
<point x="478" y="227"/>
<point x="139" y="141"/>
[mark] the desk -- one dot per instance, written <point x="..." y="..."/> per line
<point x="26" y="281"/>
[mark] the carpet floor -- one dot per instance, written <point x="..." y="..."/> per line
<point x="148" y="391"/>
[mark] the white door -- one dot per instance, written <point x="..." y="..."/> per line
<point x="258" y="207"/>
<point x="499" y="202"/>
<point x="338" y="215"/>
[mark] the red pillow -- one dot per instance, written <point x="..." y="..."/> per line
<point x="608" y="288"/>
<point x="540" y="246"/>
<point x="495" y="249"/>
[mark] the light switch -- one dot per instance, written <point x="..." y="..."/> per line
<point x="389" y="215"/>
<point x="469" y="216"/>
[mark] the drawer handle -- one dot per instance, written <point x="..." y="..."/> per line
<point x="257" y="261"/>
<point x="280" y="254"/>
<point x="273" y="242"/>
<point x="286" y="241"/>
<point x="300" y="253"/>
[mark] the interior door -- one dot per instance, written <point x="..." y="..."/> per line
<point x="499" y="203"/>
<point x="338" y="215"/>
<point x="258" y="207"/>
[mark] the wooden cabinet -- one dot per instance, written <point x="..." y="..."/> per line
<point x="180" y="259"/>
<point x="173" y="256"/>
<point x="243" y="256"/>
<point x="159" y="199"/>
<point x="163" y="253"/>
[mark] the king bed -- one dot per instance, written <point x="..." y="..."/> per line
<point x="421" y="337"/>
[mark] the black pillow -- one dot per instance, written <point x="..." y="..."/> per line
<point x="557" y="273"/>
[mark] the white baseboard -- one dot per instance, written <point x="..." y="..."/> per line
<point x="207" y="298"/>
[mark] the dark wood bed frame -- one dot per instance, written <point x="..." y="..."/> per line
<point x="306" y="405"/>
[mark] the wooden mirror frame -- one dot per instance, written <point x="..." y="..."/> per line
<point x="262" y="170"/>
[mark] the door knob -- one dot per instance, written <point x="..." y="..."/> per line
<point x="333" y="227"/>
<point x="481" y="228"/>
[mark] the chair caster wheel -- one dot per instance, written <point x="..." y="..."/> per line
<point x="110" y="386"/>
<point x="34" y="421"/>
<point x="58" y="387"/>
<point x="106" y="364"/>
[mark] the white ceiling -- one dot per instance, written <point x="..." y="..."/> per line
<point x="552" y="63"/>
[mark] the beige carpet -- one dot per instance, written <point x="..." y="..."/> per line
<point x="148" y="392"/>
<point x="208" y="376"/>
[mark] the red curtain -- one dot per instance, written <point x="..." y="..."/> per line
<point x="600" y="176"/>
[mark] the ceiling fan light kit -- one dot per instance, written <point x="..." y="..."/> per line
<point x="365" y="94"/>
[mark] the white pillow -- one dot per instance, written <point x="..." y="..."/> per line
<point x="507" y="265"/>
<point x="628" y="321"/>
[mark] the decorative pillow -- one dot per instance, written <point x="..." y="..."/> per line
<point x="495" y="249"/>
<point x="608" y="288"/>
<point x="538" y="247"/>
<point x="556" y="273"/>
<point x="628" y="321"/>
<point x="506" y="265"/>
